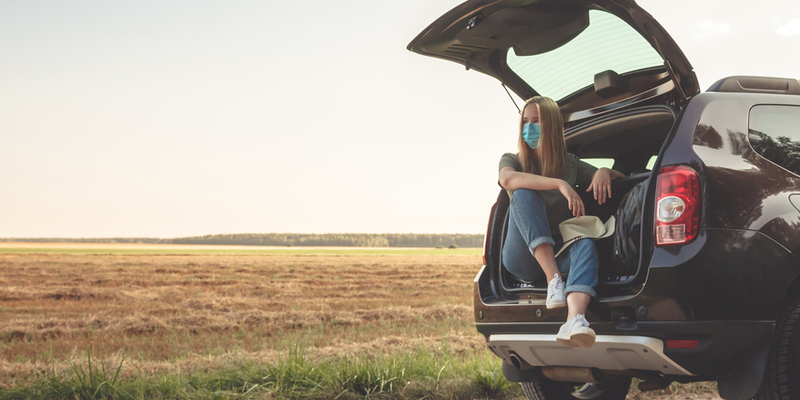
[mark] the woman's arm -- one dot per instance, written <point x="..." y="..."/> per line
<point x="615" y="174"/>
<point x="513" y="180"/>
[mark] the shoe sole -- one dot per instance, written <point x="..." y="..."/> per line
<point x="578" y="339"/>
<point x="584" y="340"/>
<point x="567" y="342"/>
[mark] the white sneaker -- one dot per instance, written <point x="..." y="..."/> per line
<point x="555" y="293"/>
<point x="576" y="333"/>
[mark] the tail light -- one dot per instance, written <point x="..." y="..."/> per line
<point x="677" y="205"/>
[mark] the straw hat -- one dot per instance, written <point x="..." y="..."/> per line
<point x="588" y="226"/>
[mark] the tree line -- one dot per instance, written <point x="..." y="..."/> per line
<point x="295" y="239"/>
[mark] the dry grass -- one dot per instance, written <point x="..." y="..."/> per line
<point x="184" y="312"/>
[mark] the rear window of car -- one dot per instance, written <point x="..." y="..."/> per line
<point x="651" y="163"/>
<point x="774" y="132"/>
<point x="609" y="162"/>
<point x="599" y="162"/>
<point x="608" y="43"/>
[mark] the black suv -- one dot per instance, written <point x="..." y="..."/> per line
<point x="701" y="279"/>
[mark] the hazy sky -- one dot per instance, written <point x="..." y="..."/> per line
<point x="176" y="118"/>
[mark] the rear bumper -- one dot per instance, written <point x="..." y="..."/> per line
<point x="608" y="353"/>
<point x="722" y="345"/>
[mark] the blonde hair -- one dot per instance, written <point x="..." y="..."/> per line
<point x="552" y="149"/>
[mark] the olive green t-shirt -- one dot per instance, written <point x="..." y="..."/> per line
<point x="576" y="172"/>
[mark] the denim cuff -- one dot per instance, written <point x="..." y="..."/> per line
<point x="541" y="240"/>
<point x="581" y="288"/>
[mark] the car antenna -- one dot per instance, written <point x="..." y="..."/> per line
<point x="511" y="97"/>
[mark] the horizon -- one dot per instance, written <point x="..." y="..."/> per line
<point x="245" y="233"/>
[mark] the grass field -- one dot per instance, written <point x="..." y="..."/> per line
<point x="214" y="322"/>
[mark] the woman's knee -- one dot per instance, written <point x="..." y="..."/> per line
<point x="527" y="196"/>
<point x="528" y="214"/>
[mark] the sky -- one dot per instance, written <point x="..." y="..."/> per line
<point x="176" y="118"/>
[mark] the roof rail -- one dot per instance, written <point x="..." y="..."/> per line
<point x="756" y="84"/>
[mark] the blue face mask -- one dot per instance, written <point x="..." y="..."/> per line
<point x="530" y="134"/>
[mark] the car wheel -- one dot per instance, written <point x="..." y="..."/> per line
<point x="782" y="376"/>
<point x="546" y="389"/>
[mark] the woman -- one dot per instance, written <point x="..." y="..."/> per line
<point x="541" y="179"/>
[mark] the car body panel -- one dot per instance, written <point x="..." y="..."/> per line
<point x="733" y="168"/>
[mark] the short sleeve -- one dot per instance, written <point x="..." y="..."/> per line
<point x="585" y="173"/>
<point x="510" y="160"/>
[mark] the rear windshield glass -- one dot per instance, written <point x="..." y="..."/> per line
<point x="599" y="162"/>
<point x="608" y="43"/>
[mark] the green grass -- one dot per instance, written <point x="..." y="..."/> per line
<point x="420" y="373"/>
<point x="416" y="374"/>
<point x="288" y="250"/>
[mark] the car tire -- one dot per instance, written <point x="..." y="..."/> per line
<point x="546" y="389"/>
<point x="782" y="375"/>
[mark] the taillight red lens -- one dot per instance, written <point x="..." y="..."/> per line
<point x="677" y="205"/>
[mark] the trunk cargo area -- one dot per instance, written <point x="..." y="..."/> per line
<point x="633" y="139"/>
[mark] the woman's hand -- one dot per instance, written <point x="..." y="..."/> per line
<point x="601" y="185"/>
<point x="574" y="201"/>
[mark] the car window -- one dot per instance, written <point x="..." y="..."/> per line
<point x="599" y="162"/>
<point x="608" y="43"/>
<point x="651" y="163"/>
<point x="774" y="133"/>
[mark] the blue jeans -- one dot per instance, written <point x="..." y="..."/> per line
<point x="527" y="229"/>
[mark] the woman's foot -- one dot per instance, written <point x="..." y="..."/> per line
<point x="576" y="333"/>
<point x="555" y="293"/>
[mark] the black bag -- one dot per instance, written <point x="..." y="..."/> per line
<point x="627" y="233"/>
